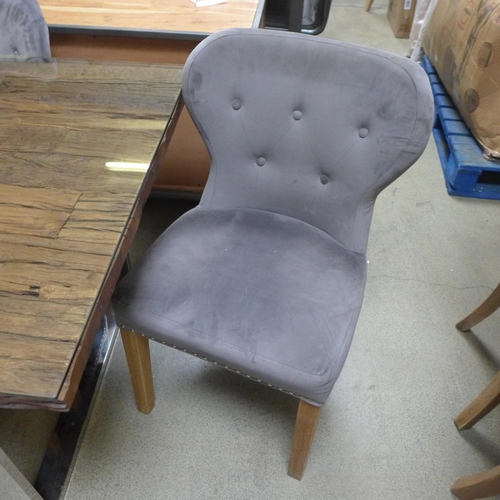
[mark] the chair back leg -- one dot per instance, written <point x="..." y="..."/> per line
<point x="305" y="427"/>
<point x="139" y="364"/>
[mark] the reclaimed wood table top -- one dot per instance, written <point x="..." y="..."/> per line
<point x="79" y="147"/>
<point x="166" y="16"/>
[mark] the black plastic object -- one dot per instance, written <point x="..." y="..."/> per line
<point x="289" y="15"/>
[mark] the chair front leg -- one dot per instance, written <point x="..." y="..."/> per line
<point x="305" y="427"/>
<point x="484" y="485"/>
<point x="139" y="365"/>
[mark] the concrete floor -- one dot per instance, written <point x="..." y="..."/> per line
<point x="387" y="430"/>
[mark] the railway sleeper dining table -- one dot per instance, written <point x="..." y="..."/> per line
<point x="81" y="143"/>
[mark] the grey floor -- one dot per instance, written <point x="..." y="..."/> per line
<point x="387" y="430"/>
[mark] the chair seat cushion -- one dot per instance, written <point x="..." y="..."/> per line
<point x="260" y="293"/>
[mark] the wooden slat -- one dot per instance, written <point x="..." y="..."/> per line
<point x="63" y="214"/>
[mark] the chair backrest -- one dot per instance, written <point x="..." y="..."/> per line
<point x="306" y="127"/>
<point x="23" y="30"/>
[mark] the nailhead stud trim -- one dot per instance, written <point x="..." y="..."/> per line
<point x="226" y="367"/>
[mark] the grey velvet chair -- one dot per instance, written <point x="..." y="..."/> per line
<point x="266" y="276"/>
<point x="23" y="30"/>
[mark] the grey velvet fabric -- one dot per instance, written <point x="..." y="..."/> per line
<point x="267" y="275"/>
<point x="23" y="29"/>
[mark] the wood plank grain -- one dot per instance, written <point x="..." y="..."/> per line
<point x="65" y="267"/>
<point x="59" y="172"/>
<point x="74" y="247"/>
<point x="63" y="213"/>
<point x="43" y="199"/>
<point x="18" y="138"/>
<point x="35" y="211"/>
<point x="95" y="218"/>
<point x="171" y="15"/>
<point x="29" y="361"/>
<point x="20" y="220"/>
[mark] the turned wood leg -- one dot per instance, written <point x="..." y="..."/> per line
<point x="487" y="308"/>
<point x="486" y="484"/>
<point x="368" y="5"/>
<point x="305" y="426"/>
<point x="488" y="399"/>
<point x="139" y="365"/>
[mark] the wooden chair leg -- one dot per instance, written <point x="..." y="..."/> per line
<point x="305" y="426"/>
<point x="488" y="399"/>
<point x="139" y="365"/>
<point x="487" y="308"/>
<point x="368" y="5"/>
<point x="486" y="484"/>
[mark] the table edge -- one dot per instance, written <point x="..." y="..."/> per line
<point x="69" y="29"/>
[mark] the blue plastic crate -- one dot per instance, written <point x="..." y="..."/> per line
<point x="466" y="171"/>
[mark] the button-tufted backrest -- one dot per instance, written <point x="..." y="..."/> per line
<point x="306" y="127"/>
<point x="23" y="29"/>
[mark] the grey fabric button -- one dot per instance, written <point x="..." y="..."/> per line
<point x="236" y="104"/>
<point x="324" y="179"/>
<point x="261" y="161"/>
<point x="297" y="115"/>
<point x="363" y="132"/>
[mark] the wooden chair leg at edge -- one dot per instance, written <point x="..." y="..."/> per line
<point x="488" y="399"/>
<point x="368" y="5"/>
<point x="139" y="365"/>
<point x="483" y="485"/>
<point x="487" y="308"/>
<point x="305" y="427"/>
